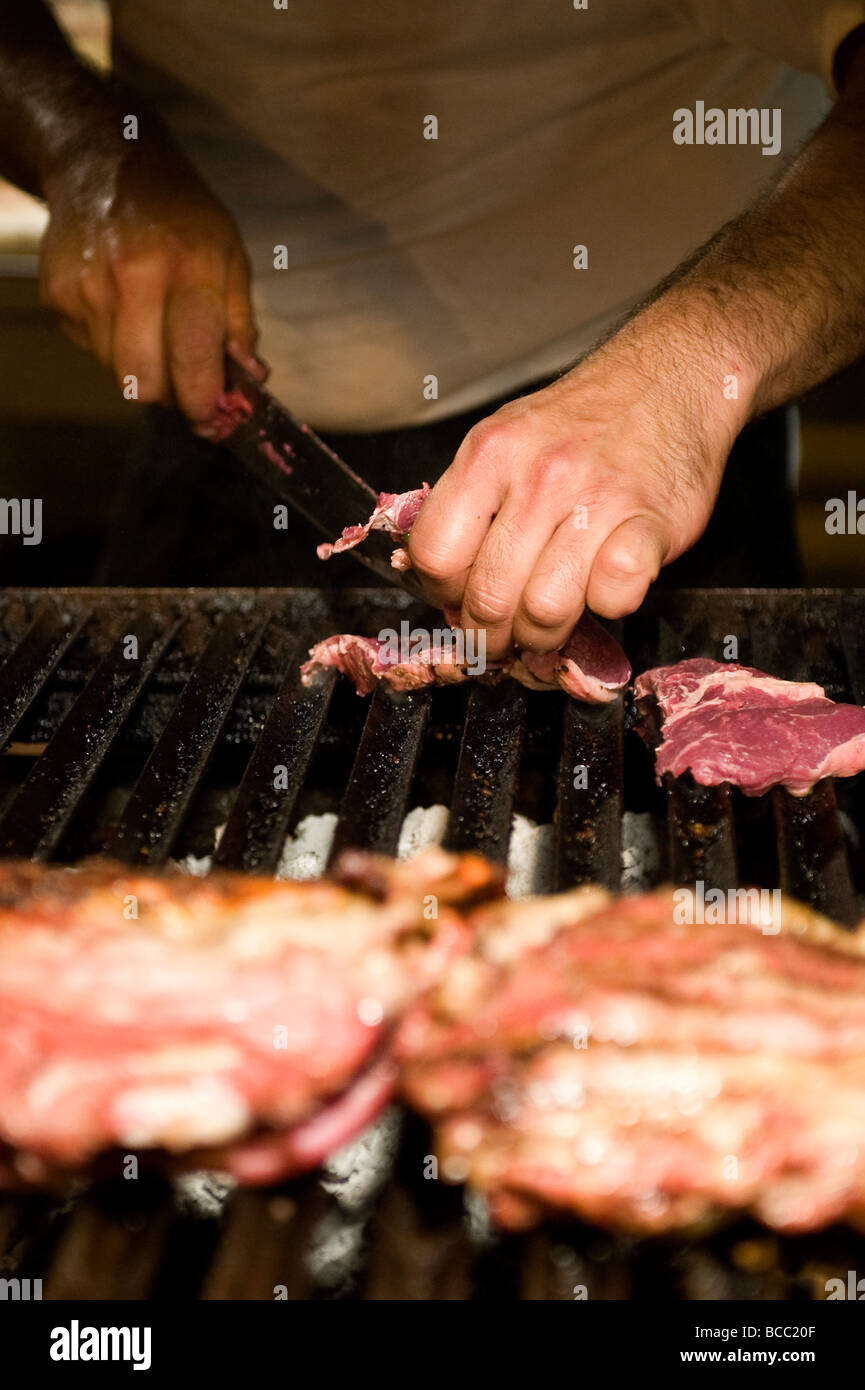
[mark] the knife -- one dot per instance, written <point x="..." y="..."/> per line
<point x="299" y="467"/>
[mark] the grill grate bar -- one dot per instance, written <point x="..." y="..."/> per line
<point x="486" y="780"/>
<point x="415" y="1258"/>
<point x="35" y="822"/>
<point x="161" y="797"/>
<point x="34" y="660"/>
<point x="850" y="635"/>
<point x="551" y="1274"/>
<point x="812" y="854"/>
<point x="701" y="834"/>
<point x="588" y="825"/>
<point x="261" y="814"/>
<point x="376" y="798"/>
<point x="264" y="1239"/>
<point x="26" y="1231"/>
<point x="101" y="1253"/>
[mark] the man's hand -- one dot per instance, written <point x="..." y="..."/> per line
<point x="147" y="271"/>
<point x="579" y="493"/>
<point x="638" y="434"/>
<point x="141" y="262"/>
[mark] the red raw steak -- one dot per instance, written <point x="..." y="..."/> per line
<point x="728" y="723"/>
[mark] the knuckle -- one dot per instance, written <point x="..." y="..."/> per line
<point x="94" y="290"/>
<point x="553" y="471"/>
<point x="130" y="269"/>
<point x="488" y="438"/>
<point x="430" y="561"/>
<point x="55" y="292"/>
<point x="620" y="565"/>
<point x="544" y="609"/>
<point x="122" y="261"/>
<point x="193" y="347"/>
<point x="487" y="604"/>
<point x="610" y="601"/>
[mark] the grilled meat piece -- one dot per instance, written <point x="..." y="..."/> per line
<point x="605" y="1059"/>
<point x="228" y="1022"/>
<point x="729" y="723"/>
<point x="367" y="661"/>
<point x="590" y="666"/>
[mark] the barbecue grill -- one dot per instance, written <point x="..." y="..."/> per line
<point x="135" y="722"/>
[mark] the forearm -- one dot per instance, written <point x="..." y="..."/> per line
<point x="54" y="108"/>
<point x="47" y="97"/>
<point x="777" y="298"/>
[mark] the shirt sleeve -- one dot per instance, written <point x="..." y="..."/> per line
<point x="805" y="34"/>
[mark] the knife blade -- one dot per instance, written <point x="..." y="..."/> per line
<point x="300" y="468"/>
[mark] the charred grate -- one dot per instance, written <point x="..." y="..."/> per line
<point x="136" y="722"/>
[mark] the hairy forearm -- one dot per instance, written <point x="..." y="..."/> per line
<point x="777" y="298"/>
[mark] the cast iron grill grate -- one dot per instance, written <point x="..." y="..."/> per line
<point x="135" y="722"/>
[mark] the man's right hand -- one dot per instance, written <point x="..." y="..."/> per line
<point x="145" y="269"/>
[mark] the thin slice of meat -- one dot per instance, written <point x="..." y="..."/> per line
<point x="227" y="1020"/>
<point x="395" y="512"/>
<point x="607" y="1059"/>
<point x="591" y="665"/>
<point x="367" y="661"/>
<point x="731" y="723"/>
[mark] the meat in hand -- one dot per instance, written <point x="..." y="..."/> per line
<point x="395" y="512"/>
<point x="590" y="666"/>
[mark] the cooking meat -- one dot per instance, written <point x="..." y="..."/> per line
<point x="729" y="723"/>
<point x="228" y="1022"/>
<point x="367" y="661"/>
<point x="590" y="666"/>
<point x="603" y="1058"/>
